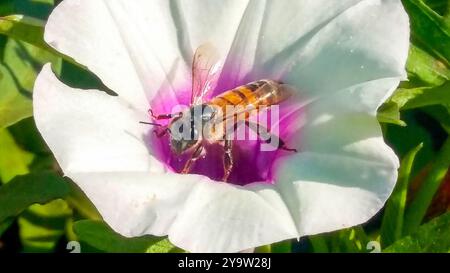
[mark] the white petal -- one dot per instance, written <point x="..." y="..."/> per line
<point x="354" y="135"/>
<point x="359" y="98"/>
<point x="327" y="192"/>
<point x="141" y="47"/>
<point x="305" y="42"/>
<point x="271" y="30"/>
<point x="88" y="130"/>
<point x="366" y="42"/>
<point x="345" y="172"/>
<point x="319" y="46"/>
<point x="325" y="120"/>
<point x="343" y="175"/>
<point x="199" y="215"/>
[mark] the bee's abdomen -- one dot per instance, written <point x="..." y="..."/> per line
<point x="263" y="92"/>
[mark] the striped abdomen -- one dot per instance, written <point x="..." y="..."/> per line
<point x="255" y="94"/>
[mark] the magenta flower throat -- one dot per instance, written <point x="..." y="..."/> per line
<point x="232" y="134"/>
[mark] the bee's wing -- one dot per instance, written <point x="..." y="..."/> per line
<point x="206" y="68"/>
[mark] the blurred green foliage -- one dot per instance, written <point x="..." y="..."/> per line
<point x="97" y="236"/>
<point x="41" y="212"/>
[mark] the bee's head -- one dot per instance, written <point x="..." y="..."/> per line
<point x="183" y="134"/>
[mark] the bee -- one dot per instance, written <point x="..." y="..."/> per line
<point x="205" y="121"/>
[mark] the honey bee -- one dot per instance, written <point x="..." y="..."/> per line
<point x="205" y="121"/>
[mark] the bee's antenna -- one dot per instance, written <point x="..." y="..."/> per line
<point x="158" y="134"/>
<point x="150" y="123"/>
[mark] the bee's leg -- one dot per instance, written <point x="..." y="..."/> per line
<point x="227" y="159"/>
<point x="194" y="157"/>
<point x="268" y="137"/>
<point x="161" y="133"/>
<point x="163" y="116"/>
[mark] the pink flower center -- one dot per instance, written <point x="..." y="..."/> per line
<point x="252" y="162"/>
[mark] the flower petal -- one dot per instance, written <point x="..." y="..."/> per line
<point x="197" y="214"/>
<point x="88" y="130"/>
<point x="291" y="40"/>
<point x="354" y="47"/>
<point x="342" y="176"/>
<point x="327" y="192"/>
<point x="152" y="44"/>
<point x="141" y="47"/>
<point x="135" y="201"/>
<point x="328" y="116"/>
<point x="345" y="172"/>
<point x="270" y="30"/>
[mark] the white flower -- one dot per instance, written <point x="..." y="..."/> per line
<point x="345" y="56"/>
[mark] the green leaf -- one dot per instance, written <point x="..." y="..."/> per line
<point x="35" y="8"/>
<point x="441" y="114"/>
<point x="163" y="246"/>
<point x="319" y="244"/>
<point x="14" y="104"/>
<point x="13" y="160"/>
<point x="432" y="237"/>
<point x="21" y="64"/>
<point x="41" y="227"/>
<point x="429" y="29"/>
<point x="24" y="191"/>
<point x="418" y="208"/>
<point x="421" y="97"/>
<point x="30" y="30"/>
<point x="24" y="28"/>
<point x="81" y="203"/>
<point x="404" y="139"/>
<point x="97" y="236"/>
<point x="352" y="240"/>
<point x="392" y="224"/>
<point x="390" y="113"/>
<point x="26" y="135"/>
<point x="5" y="225"/>
<point x="282" y="247"/>
<point x="78" y="77"/>
<point x="440" y="6"/>
<point x="426" y="68"/>
<point x="264" y="249"/>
